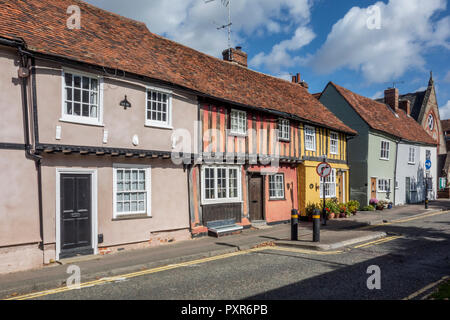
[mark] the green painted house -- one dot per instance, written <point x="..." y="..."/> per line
<point x="373" y="153"/>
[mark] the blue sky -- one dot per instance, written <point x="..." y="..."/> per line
<point x="360" y="44"/>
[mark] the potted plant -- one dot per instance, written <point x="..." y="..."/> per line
<point x="353" y="206"/>
<point x="373" y="202"/>
<point x="390" y="204"/>
<point x="381" y="205"/>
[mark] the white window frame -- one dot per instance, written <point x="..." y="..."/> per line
<point x="313" y="135"/>
<point x="155" y="123"/>
<point x="412" y="184"/>
<point x="330" y="185"/>
<point x="385" y="187"/>
<point x="284" y="130"/>
<point x="148" y="190"/>
<point x="275" y="183"/>
<point x="334" y="138"/>
<point x="241" y="118"/>
<point x="227" y="199"/>
<point x="412" y="155"/>
<point x="82" y="119"/>
<point x="385" y="152"/>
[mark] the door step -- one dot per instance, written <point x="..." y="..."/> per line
<point x="260" y="224"/>
<point x="223" y="227"/>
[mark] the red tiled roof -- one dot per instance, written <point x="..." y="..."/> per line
<point x="381" y="117"/>
<point x="112" y="41"/>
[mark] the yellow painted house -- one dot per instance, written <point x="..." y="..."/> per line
<point x="318" y="143"/>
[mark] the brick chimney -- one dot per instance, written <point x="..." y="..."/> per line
<point x="297" y="79"/>
<point x="406" y="106"/>
<point x="391" y="98"/>
<point x="235" y="55"/>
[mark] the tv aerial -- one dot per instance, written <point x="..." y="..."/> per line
<point x="226" y="3"/>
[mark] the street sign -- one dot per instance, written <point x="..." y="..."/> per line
<point x="323" y="169"/>
<point x="428" y="164"/>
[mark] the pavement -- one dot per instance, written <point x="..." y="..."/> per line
<point x="338" y="233"/>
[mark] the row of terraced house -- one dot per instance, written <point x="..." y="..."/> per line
<point x="113" y="137"/>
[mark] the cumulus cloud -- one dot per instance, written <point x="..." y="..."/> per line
<point x="194" y="22"/>
<point x="280" y="56"/>
<point x="384" y="49"/>
<point x="444" y="111"/>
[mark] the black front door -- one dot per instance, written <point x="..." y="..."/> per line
<point x="76" y="215"/>
<point x="256" y="198"/>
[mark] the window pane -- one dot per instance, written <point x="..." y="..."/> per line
<point x="94" y="84"/>
<point x="85" y="110"/>
<point x="69" y="94"/>
<point x="69" y="108"/>
<point x="77" y="109"/>
<point x="68" y="78"/>
<point x="86" y="83"/>
<point x="77" y="81"/>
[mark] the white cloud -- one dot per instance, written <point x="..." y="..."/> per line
<point x="406" y="31"/>
<point x="444" y="111"/>
<point x="378" y="95"/>
<point x="280" y="56"/>
<point x="194" y="22"/>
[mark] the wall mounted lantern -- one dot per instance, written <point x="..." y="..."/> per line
<point x="125" y="103"/>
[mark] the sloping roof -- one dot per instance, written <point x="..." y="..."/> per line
<point x="381" y="117"/>
<point x="112" y="41"/>
<point x="416" y="100"/>
<point x="445" y="125"/>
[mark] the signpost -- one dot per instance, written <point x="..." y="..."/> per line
<point x="323" y="170"/>
<point x="428" y="167"/>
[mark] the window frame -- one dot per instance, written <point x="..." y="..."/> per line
<point x="413" y="161"/>
<point x="323" y="180"/>
<point x="155" y="123"/>
<point x="239" y="112"/>
<point x="148" y="189"/>
<point x="82" y="119"/>
<point x="227" y="199"/>
<point x="386" y="185"/>
<point x="283" y="196"/>
<point x="412" y="184"/>
<point x="282" y="125"/>
<point x="337" y="142"/>
<point x="386" y="151"/>
<point x="313" y="135"/>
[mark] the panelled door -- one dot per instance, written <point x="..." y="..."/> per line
<point x="341" y="186"/>
<point x="76" y="215"/>
<point x="407" y="189"/>
<point x="256" y="198"/>
<point x="373" y="188"/>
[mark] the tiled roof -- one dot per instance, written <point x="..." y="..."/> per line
<point x="381" y="117"/>
<point x="445" y="125"/>
<point x="416" y="100"/>
<point x="112" y="41"/>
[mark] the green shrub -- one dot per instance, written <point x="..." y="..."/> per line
<point x="311" y="207"/>
<point x="368" y="208"/>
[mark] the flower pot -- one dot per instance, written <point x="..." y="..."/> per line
<point x="331" y="216"/>
<point x="342" y="215"/>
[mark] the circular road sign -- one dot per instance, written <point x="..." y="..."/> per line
<point x="428" y="164"/>
<point x="323" y="169"/>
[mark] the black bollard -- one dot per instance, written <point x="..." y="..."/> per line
<point x="316" y="226"/>
<point x="294" y="225"/>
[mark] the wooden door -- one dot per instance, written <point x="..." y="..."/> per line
<point x="341" y="186"/>
<point x="256" y="198"/>
<point x="408" y="189"/>
<point x="76" y="215"/>
<point x="373" y="188"/>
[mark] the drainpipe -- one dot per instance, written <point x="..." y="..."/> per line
<point x="24" y="75"/>
<point x="395" y="171"/>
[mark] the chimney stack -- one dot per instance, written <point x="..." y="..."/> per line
<point x="406" y="106"/>
<point x="235" y="55"/>
<point x="297" y="79"/>
<point x="391" y="98"/>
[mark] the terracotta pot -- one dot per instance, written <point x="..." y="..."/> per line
<point x="331" y="216"/>
<point x="342" y="215"/>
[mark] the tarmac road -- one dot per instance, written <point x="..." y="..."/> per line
<point x="415" y="255"/>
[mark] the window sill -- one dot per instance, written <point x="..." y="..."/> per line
<point x="158" y="126"/>
<point x="82" y="122"/>
<point x="277" y="199"/>
<point x="411" y="163"/>
<point x="313" y="150"/>
<point x="384" y="159"/>
<point x="206" y="203"/>
<point x="137" y="216"/>
<point x="237" y="134"/>
<point x="284" y="140"/>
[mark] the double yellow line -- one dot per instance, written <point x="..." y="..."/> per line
<point x="377" y="242"/>
<point x="134" y="274"/>
<point x="422" y="216"/>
